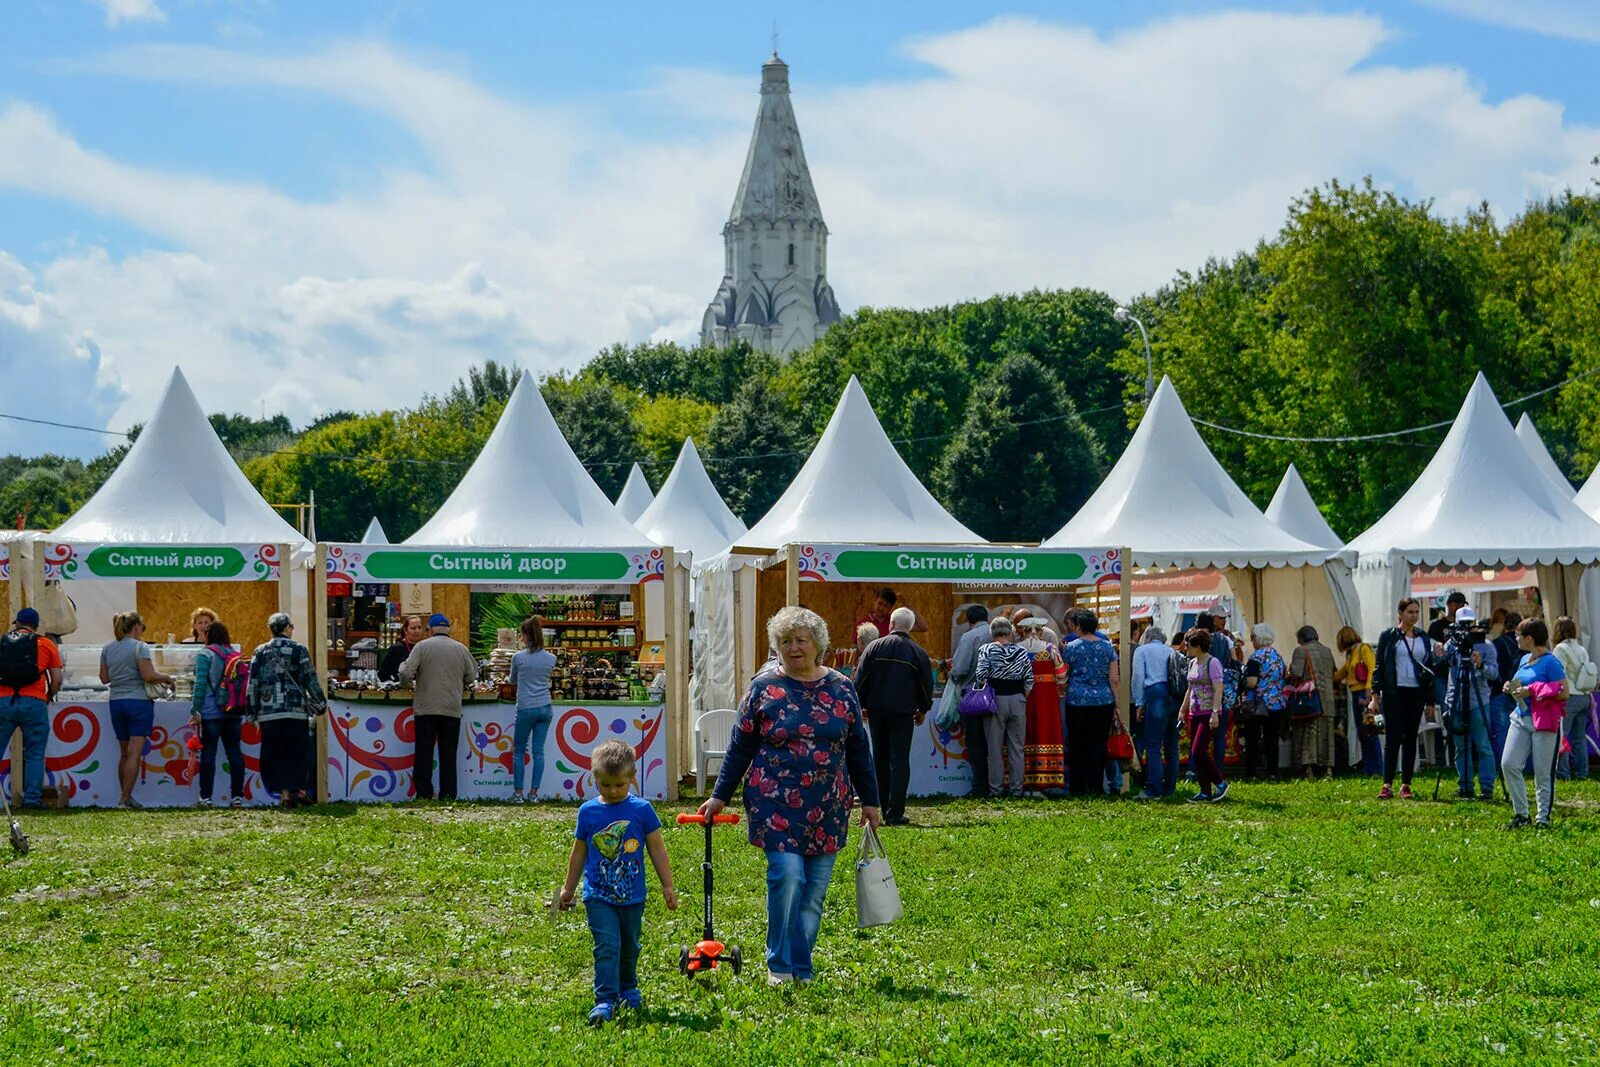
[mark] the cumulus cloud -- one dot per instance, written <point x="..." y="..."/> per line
<point x="1024" y="154"/>
<point x="120" y="11"/>
<point x="1577" y="20"/>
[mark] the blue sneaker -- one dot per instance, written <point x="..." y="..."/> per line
<point x="1222" y="791"/>
<point x="1200" y="798"/>
<point x="603" y="1013"/>
<point x="632" y="1000"/>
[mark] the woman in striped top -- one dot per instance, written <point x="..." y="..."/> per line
<point x="1007" y="668"/>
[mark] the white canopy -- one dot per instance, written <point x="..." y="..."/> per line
<point x="374" y="534"/>
<point x="1170" y="501"/>
<point x="527" y="489"/>
<point x="1588" y="497"/>
<point x="856" y="489"/>
<point x="689" y="514"/>
<point x="1528" y="434"/>
<point x="635" y="495"/>
<point x="1294" y="512"/>
<point x="177" y="485"/>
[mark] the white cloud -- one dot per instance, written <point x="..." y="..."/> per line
<point x="1577" y="20"/>
<point x="120" y="11"/>
<point x="1028" y="154"/>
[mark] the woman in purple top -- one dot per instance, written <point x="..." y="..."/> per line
<point x="1203" y="702"/>
<point x="801" y="737"/>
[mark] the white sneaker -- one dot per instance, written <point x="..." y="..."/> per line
<point x="776" y="979"/>
<point x="518" y="798"/>
<point x="236" y="802"/>
<point x="203" y="802"/>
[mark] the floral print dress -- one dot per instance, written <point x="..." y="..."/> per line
<point x="805" y="747"/>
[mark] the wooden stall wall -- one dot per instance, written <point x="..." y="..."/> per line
<point x="841" y="603"/>
<point x="455" y="601"/>
<point x="244" y="606"/>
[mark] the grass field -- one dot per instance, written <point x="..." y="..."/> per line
<point x="1301" y="921"/>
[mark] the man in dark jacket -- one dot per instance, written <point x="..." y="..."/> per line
<point x="895" y="683"/>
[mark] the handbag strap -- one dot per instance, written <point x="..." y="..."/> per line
<point x="871" y="847"/>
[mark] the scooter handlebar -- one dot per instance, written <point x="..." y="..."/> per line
<point x="698" y="819"/>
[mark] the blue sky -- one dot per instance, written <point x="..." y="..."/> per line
<point x="294" y="200"/>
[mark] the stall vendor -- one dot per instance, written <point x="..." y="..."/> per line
<point x="415" y="631"/>
<point x="882" y="607"/>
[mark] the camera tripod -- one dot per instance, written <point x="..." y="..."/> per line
<point x="1466" y="697"/>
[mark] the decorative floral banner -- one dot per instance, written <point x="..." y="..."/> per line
<point x="163" y="563"/>
<point x="378" y="563"/>
<point x="371" y="747"/>
<point x="925" y="563"/>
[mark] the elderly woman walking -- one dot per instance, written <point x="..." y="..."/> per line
<point x="284" y="697"/>
<point x="1265" y="677"/>
<point x="1312" y="662"/>
<point x="801" y="737"/>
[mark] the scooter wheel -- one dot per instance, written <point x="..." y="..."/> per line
<point x="683" y="962"/>
<point x="735" y="959"/>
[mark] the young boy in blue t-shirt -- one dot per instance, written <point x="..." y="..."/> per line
<point x="614" y="831"/>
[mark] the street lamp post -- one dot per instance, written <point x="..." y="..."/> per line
<point x="1122" y="314"/>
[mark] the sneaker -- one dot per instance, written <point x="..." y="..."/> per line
<point x="1142" y="795"/>
<point x="1405" y="792"/>
<point x="1542" y="824"/>
<point x="1463" y="794"/>
<point x="518" y="798"/>
<point x="776" y="978"/>
<point x="1386" y="793"/>
<point x="1221" y="791"/>
<point x="203" y="802"/>
<point x="131" y="804"/>
<point x="1200" y="798"/>
<point x="602" y="1013"/>
<point x="803" y="981"/>
<point x="633" y="1000"/>
<point x="236" y="802"/>
<point x="1517" y="823"/>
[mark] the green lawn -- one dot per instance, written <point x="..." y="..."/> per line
<point x="1305" y="921"/>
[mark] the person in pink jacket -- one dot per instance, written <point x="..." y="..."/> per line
<point x="1540" y="688"/>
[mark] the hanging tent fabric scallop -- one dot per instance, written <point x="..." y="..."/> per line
<point x="635" y="496"/>
<point x="1483" y="500"/>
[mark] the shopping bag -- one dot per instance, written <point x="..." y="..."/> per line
<point x="877" y="896"/>
<point x="948" y="715"/>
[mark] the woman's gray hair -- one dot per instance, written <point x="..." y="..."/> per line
<point x="867" y="631"/>
<point x="787" y="620"/>
<point x="278" y="622"/>
<point x="1262" y="634"/>
<point x="1001" y="627"/>
<point x="1154" y="635"/>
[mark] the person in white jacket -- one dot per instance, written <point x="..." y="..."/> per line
<point x="1581" y="672"/>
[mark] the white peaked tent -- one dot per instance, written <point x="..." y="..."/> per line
<point x="527" y="489"/>
<point x="853" y="489"/>
<point x="635" y="496"/>
<point x="1293" y="511"/>
<point x="375" y="534"/>
<point x="1528" y="434"/>
<point x="1172" y="504"/>
<point x="1481" y="501"/>
<point x="689" y="513"/>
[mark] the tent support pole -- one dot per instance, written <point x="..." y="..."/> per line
<point x="739" y="666"/>
<point x="675" y="710"/>
<point x="791" y="577"/>
<point x="1125" y="639"/>
<point x="319" y="656"/>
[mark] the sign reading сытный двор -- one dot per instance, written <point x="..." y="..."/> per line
<point x="156" y="563"/>
<point x="936" y="563"/>
<point x="373" y="563"/>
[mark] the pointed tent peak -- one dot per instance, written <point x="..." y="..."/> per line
<point x="855" y="489"/>
<point x="1295" y="512"/>
<point x="1588" y="497"/>
<point x="375" y="534"/>
<point x="505" y="500"/>
<point x="178" y="485"/>
<point x="1528" y="434"/>
<point x="689" y="514"/>
<point x="1437" y="522"/>
<point x="635" y="495"/>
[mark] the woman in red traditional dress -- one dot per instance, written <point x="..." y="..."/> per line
<point x="1044" y="760"/>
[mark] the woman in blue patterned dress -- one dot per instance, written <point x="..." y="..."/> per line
<point x="801" y="737"/>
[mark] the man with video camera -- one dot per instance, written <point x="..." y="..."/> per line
<point x="1470" y="667"/>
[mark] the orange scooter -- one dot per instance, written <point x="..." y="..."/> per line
<point x="708" y="953"/>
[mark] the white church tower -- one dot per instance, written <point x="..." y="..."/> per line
<point x="774" y="293"/>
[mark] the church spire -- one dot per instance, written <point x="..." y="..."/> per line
<point x="776" y="183"/>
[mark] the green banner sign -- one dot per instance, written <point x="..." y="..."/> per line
<point x="949" y="564"/>
<point x="401" y="565"/>
<point x="165" y="561"/>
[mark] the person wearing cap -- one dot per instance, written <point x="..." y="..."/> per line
<point x="1438" y="634"/>
<point x="30" y="676"/>
<point x="1470" y="711"/>
<point x="439" y="669"/>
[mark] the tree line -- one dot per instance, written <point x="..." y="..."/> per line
<point x="1364" y="314"/>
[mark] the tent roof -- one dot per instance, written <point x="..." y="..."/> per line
<point x="689" y="513"/>
<point x="1588" y="497"/>
<point x="1528" y="434"/>
<point x="855" y="489"/>
<point x="1294" y="512"/>
<point x="177" y="485"/>
<point x="635" y="495"/>
<point x="1170" y="501"/>
<point x="374" y="534"/>
<point x="1483" y="500"/>
<point x="527" y="489"/>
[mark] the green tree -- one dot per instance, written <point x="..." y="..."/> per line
<point x="596" y="420"/>
<point x="41" y="494"/>
<point x="754" y="449"/>
<point x="664" y="421"/>
<point x="490" y="384"/>
<point x="1024" y="461"/>
<point x="661" y="368"/>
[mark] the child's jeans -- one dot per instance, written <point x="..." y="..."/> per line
<point x="616" y="930"/>
<point x="532" y="725"/>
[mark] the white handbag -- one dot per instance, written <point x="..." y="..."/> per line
<point x="877" y="896"/>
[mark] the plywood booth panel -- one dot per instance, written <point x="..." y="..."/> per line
<point x="244" y="606"/>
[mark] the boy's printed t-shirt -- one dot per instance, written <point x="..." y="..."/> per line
<point x="613" y="872"/>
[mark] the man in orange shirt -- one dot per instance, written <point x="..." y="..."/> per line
<point x="30" y="675"/>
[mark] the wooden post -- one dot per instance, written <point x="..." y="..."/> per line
<point x="1125" y="639"/>
<point x="675" y="711"/>
<point x="319" y="656"/>
<point x="791" y="576"/>
<point x="14" y="586"/>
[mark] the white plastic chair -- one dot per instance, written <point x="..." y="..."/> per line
<point x="711" y="728"/>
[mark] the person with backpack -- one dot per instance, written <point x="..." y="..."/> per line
<point x="30" y="676"/>
<point x="126" y="667"/>
<point x="284" y="696"/>
<point x="220" y="698"/>
<point x="1582" y="673"/>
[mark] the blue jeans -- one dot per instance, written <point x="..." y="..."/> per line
<point x="796" y="887"/>
<point x="616" y="929"/>
<point x="1160" y="735"/>
<point x="532" y="725"/>
<point x="32" y="716"/>
<point x="1477" y="742"/>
